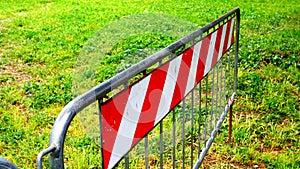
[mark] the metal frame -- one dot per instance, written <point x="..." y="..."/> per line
<point x="5" y="164"/>
<point x="65" y="117"/>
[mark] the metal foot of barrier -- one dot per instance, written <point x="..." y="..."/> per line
<point x="5" y="164"/>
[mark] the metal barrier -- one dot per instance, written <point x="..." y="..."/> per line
<point x="172" y="113"/>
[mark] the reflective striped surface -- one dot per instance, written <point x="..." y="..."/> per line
<point x="131" y="114"/>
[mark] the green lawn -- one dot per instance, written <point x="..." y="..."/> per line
<point x="40" y="41"/>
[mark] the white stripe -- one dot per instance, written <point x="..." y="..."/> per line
<point x="222" y="41"/>
<point x="193" y="69"/>
<point x="230" y="33"/>
<point x="129" y="121"/>
<point x="169" y="87"/>
<point x="210" y="53"/>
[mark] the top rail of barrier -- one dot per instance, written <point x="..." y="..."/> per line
<point x="65" y="117"/>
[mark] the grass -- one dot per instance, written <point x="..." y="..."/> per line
<point x="40" y="41"/>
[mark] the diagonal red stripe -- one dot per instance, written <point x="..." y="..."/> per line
<point x="202" y="59"/>
<point x="151" y="103"/>
<point x="112" y="112"/>
<point x="182" y="78"/>
<point x="217" y="46"/>
<point x="226" y="37"/>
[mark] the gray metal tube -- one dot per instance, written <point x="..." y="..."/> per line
<point x="5" y="164"/>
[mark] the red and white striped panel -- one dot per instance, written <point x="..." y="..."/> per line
<point x="130" y="115"/>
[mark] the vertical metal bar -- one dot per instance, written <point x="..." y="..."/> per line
<point x="221" y="90"/>
<point x="100" y="101"/>
<point x="206" y="112"/>
<point x="221" y="87"/>
<point x="228" y="80"/>
<point x="161" y="138"/>
<point x="192" y="122"/>
<point x="230" y="125"/>
<point x="212" y="101"/>
<point x="199" y="120"/>
<point x="217" y="93"/>
<point x="126" y="156"/>
<point x="161" y="144"/>
<point x="237" y="36"/>
<point x="227" y="95"/>
<point x="183" y="126"/>
<point x="125" y="85"/>
<point x="225" y="76"/>
<point x="183" y="133"/>
<point x="192" y="130"/>
<point x="229" y="76"/>
<point x="199" y="116"/>
<point x="224" y="79"/>
<point x="127" y="161"/>
<point x="146" y="152"/>
<point x="173" y="138"/>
